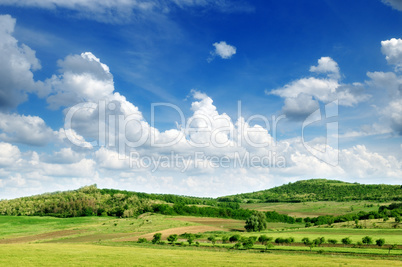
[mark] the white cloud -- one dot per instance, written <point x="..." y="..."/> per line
<point x="396" y="4"/>
<point x="392" y="49"/>
<point x="327" y="65"/>
<point x="9" y="154"/>
<point x="83" y="78"/>
<point x="389" y="87"/>
<point x="301" y="95"/>
<point x="17" y="64"/>
<point x="394" y="112"/>
<point x="301" y="105"/>
<point x="223" y="50"/>
<point x="30" y="130"/>
<point x="86" y="78"/>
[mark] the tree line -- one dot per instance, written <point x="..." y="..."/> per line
<point x="321" y="190"/>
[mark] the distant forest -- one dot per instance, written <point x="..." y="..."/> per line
<point x="321" y="190"/>
<point x="92" y="201"/>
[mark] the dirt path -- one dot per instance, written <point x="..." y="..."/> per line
<point x="50" y="235"/>
<point x="90" y="238"/>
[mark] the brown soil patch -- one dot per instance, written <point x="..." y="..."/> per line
<point x="224" y="224"/>
<point x="50" y="235"/>
<point x="90" y="238"/>
<point x="178" y="230"/>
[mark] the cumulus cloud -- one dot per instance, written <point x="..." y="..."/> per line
<point x="208" y="133"/>
<point x="392" y="49"/>
<point x="9" y="154"/>
<point x="327" y="65"/>
<point x="29" y="130"/>
<point x="300" y="106"/>
<point x="223" y="50"/>
<point x="389" y="86"/>
<point x="302" y="96"/>
<point x="83" y="78"/>
<point x="17" y="63"/>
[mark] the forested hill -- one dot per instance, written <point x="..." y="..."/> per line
<point x="92" y="201"/>
<point x="321" y="190"/>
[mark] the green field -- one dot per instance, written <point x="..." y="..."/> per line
<point x="106" y="241"/>
<point x="96" y="255"/>
<point x="105" y="227"/>
<point x="313" y="209"/>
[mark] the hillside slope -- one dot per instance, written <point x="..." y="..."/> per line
<point x="91" y="201"/>
<point x="321" y="190"/>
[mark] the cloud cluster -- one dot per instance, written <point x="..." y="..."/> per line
<point x="302" y="96"/>
<point x="29" y="130"/>
<point x="17" y="63"/>
<point x="208" y="154"/>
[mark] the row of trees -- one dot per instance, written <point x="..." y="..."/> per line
<point x="323" y="190"/>
<point x="384" y="212"/>
<point x="248" y="242"/>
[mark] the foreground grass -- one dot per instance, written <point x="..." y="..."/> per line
<point x="95" y="255"/>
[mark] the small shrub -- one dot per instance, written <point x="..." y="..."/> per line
<point x="157" y="238"/>
<point x="332" y="241"/>
<point x="234" y="238"/>
<point x="367" y="240"/>
<point x="225" y="239"/>
<point x="380" y="242"/>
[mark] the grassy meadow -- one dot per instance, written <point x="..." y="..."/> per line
<point x="106" y="241"/>
<point x="105" y="227"/>
<point x="317" y="208"/>
<point x="96" y="255"/>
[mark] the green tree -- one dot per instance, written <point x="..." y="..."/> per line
<point x="367" y="240"/>
<point x="157" y="238"/>
<point x="234" y="238"/>
<point x="307" y="242"/>
<point x="172" y="238"/>
<point x="237" y="245"/>
<point x="225" y="239"/>
<point x="394" y="246"/>
<point x="256" y="222"/>
<point x="346" y="241"/>
<point x="380" y="242"/>
<point x="280" y="240"/>
<point x="332" y="241"/>
<point x="212" y="239"/>
<point x="142" y="240"/>
<point x="318" y="241"/>
<point x="190" y="238"/>
<point x="263" y="239"/>
<point x="248" y="243"/>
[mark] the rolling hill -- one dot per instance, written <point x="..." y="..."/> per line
<point x="321" y="190"/>
<point x="92" y="201"/>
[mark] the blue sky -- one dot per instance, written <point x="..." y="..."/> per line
<point x="281" y="61"/>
